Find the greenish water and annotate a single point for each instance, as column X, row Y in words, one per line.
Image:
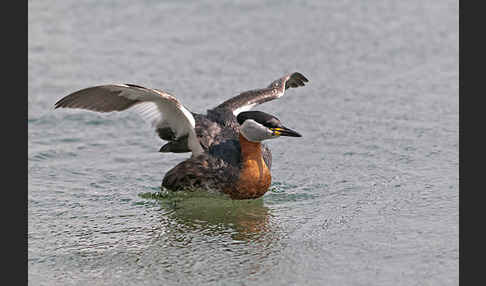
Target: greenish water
column 368, row 195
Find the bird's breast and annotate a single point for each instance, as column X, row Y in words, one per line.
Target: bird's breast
column 254, row 177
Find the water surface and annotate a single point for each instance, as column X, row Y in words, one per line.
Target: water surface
column 368, row 195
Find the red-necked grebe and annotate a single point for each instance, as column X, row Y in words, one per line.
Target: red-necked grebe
column 227, row 153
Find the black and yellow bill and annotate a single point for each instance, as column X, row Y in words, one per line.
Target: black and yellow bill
column 284, row 131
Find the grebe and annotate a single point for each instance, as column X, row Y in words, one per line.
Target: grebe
column 227, row 153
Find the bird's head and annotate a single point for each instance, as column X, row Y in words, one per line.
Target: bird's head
column 257, row 126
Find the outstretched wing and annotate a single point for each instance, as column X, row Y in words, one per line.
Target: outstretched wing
column 246, row 100
column 171, row 120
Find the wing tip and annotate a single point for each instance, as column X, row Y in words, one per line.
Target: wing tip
column 295, row 79
column 59, row 103
column 299, row 76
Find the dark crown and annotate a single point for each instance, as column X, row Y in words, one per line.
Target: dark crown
column 263, row 118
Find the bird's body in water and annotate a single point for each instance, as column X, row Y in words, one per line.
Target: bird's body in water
column 228, row 155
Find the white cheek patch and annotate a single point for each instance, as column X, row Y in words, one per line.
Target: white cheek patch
column 255, row 132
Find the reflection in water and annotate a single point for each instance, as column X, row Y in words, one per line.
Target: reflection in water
column 244, row 219
column 207, row 238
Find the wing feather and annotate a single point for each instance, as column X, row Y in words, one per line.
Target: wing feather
column 246, row 100
column 158, row 107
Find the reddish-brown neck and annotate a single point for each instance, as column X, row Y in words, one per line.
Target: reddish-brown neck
column 250, row 150
column 254, row 178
